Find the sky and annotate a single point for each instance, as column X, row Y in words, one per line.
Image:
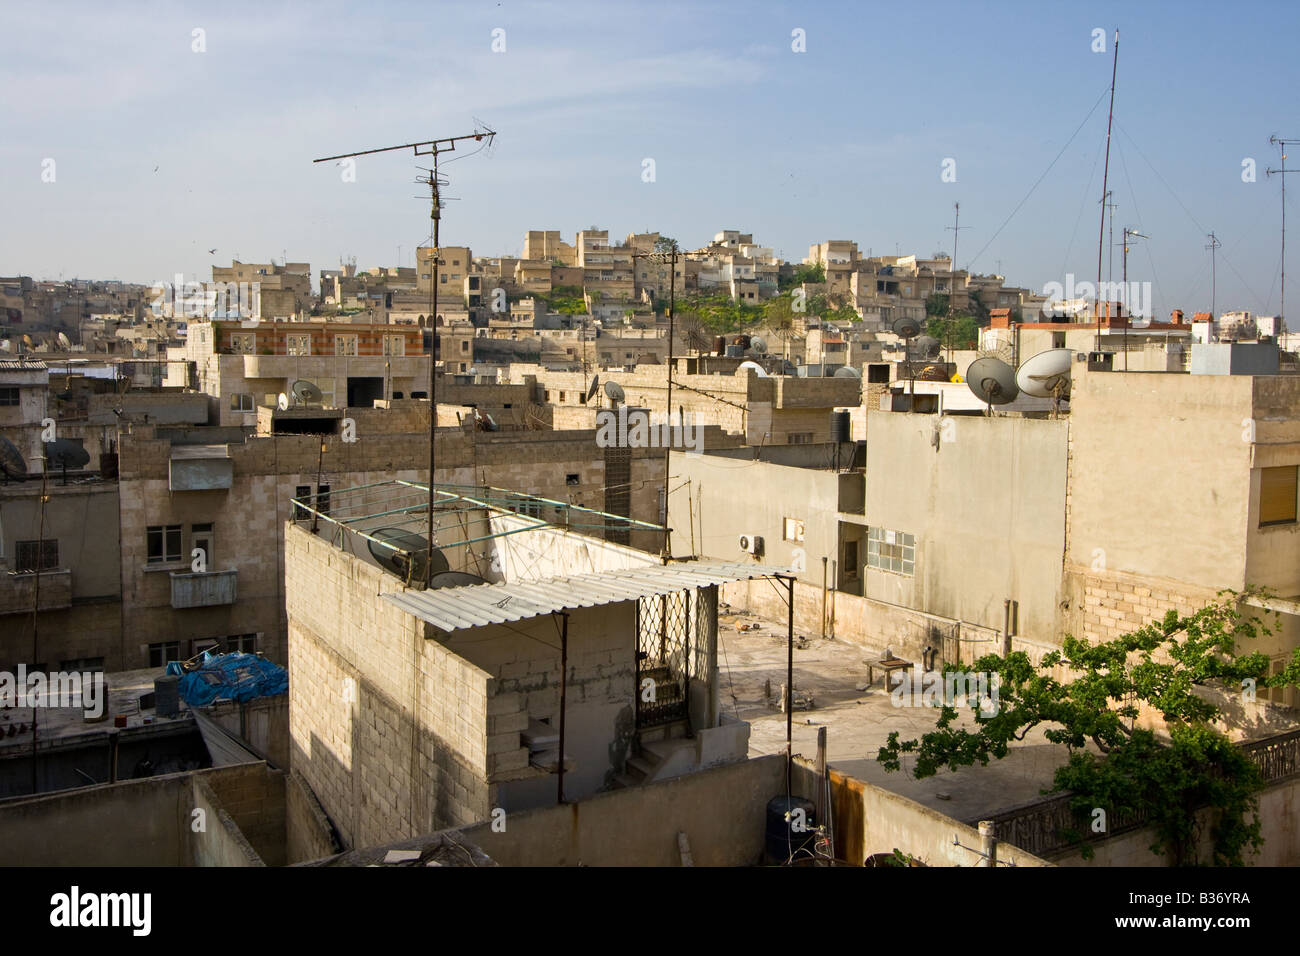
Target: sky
column 138, row 138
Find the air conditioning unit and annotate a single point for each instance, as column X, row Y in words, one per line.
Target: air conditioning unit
column 751, row 544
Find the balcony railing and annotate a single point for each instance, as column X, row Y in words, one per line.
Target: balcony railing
column 18, row 590
column 205, row 589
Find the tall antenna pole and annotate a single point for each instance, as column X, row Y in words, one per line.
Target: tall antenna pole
column 1105, row 179
column 1128, row 234
column 956, row 228
column 1213, row 246
column 1282, row 145
column 434, row 148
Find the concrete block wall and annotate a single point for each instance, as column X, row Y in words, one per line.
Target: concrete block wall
column 219, row 841
column 253, row 796
column 388, row 728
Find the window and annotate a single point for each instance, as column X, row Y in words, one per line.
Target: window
column 201, row 537
column 891, row 551
column 394, row 345
column 800, row 438
column 1278, row 695
column 243, row 342
column 244, row 643
column 301, row 492
column 851, row 560
column 571, row 479
column 164, row 543
column 323, row 499
column 464, row 345
column 36, row 555
column 1277, row 495
column 345, row 345
column 298, row 344
column 793, row 530
column 8, row 396
column 241, row 402
column 160, row 655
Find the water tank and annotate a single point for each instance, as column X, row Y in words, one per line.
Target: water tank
column 782, row 841
column 841, row 427
column 720, row 344
column 166, row 695
column 735, row 351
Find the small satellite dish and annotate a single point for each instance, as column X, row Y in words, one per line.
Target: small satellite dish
column 751, row 366
column 928, row 346
column 455, row 579
column 992, row 380
column 11, row 459
column 1047, row 374
column 409, row 563
column 63, row 341
column 282, row 402
column 595, row 384
column 758, row 346
column 66, row 454
column 847, row 371
column 614, row 392
column 906, row 328
column 27, row 341
column 306, row 392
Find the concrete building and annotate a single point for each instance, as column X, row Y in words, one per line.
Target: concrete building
column 463, row 699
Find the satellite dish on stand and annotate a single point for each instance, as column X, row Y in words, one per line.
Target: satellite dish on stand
column 993, row 381
column 591, row 391
column 847, row 371
column 11, row 460
column 282, row 402
column 306, row 393
column 1047, row 375
column 614, row 392
column 758, row 346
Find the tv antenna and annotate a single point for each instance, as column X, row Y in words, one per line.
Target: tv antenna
column 1213, row 246
column 1282, row 144
column 433, row 148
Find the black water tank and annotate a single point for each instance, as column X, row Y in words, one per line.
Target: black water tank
column 841, row 427
column 782, row 842
column 166, row 690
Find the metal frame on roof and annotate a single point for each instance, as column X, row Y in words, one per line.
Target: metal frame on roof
column 480, row 605
column 450, row 500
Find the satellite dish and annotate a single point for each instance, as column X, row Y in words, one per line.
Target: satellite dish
column 758, row 346
column 1047, row 374
column 848, row 371
column 63, row 340
column 906, row 328
column 757, row 369
column 306, row 393
column 409, row 563
column 614, row 392
column 27, row 341
column 595, row 384
column 11, row 459
column 928, row 346
column 282, row 402
column 992, row 380
column 455, row 579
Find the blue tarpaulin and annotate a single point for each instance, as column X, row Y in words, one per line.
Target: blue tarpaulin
column 235, row 676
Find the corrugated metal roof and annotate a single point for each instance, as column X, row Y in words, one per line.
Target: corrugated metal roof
column 21, row 366
column 478, row 605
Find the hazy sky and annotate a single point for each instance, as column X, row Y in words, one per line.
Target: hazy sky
column 161, row 153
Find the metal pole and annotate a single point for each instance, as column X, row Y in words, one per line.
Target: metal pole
column 1105, row 178
column 668, row 404
column 988, row 843
column 789, row 693
column 36, row 600
column 433, row 369
column 564, row 693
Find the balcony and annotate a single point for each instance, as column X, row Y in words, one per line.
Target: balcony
column 18, row 589
column 200, row 468
column 206, row 589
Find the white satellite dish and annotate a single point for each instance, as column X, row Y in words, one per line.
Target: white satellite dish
column 614, row 392
column 758, row 346
column 1047, row 374
column 282, row 402
column 63, row 341
column 754, row 366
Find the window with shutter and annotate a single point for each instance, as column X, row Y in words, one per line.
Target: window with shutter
column 1277, row 495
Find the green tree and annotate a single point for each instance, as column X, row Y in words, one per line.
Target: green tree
column 1158, row 667
column 954, row 331
column 665, row 245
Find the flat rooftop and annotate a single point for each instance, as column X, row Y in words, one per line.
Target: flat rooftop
column 859, row 722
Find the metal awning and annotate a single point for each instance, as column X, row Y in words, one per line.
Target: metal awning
column 478, row 605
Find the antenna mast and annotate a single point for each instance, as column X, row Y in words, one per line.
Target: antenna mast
column 1282, row 145
column 952, row 272
column 434, row 148
column 1105, row 178
column 1213, row 246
